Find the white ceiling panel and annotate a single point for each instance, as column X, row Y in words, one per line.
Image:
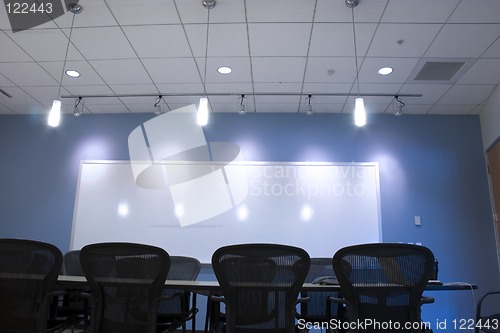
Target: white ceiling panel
column 466, row 94
column 402, row 69
column 402, row 40
column 102, row 43
column 173, row 70
column 191, row 11
column 118, row 71
column 11, row 52
column 27, row 74
column 483, row 71
column 451, row 109
column 280, row 10
column 278, row 69
column 288, row 39
column 337, row 11
column 88, row 75
column 43, row 45
column 319, row 69
column 224, row 40
column 422, row 11
column 431, row 93
column 472, row 11
column 337, row 39
column 463, row 40
column 163, row 41
column 144, row 12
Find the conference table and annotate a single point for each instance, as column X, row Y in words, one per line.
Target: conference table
column 212, row 287
column 71, row 281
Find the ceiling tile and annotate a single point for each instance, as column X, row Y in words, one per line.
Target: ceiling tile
column 19, row 97
column 144, row 12
column 318, row 69
column 224, row 40
column 402, row 40
column 277, row 87
column 403, row 67
column 280, row 10
column 451, row 109
column 130, row 71
column 95, row 13
column 337, row 11
column 162, row 41
column 88, row 75
column 102, row 43
column 180, row 88
column 464, row 40
column 10, row 51
column 287, row 39
column 466, row 94
column 421, row 11
column 431, row 93
column 493, row 51
column 483, row 71
column 472, row 11
column 89, row 90
column 43, row 45
column 147, row 88
column 27, row 74
column 172, row 70
column 325, row 88
column 240, row 69
column 337, row 39
column 278, row 69
column 192, row 11
column 229, row 88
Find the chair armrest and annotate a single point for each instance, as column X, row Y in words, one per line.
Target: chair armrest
column 301, row 300
column 426, row 300
column 216, row 298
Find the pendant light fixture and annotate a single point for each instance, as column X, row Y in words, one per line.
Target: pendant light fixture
column 359, row 104
column 55, row 112
column 202, row 114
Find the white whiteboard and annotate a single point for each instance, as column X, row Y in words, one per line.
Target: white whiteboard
column 201, row 206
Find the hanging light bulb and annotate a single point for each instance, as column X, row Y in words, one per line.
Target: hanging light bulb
column 55, row 114
column 202, row 115
column 359, row 112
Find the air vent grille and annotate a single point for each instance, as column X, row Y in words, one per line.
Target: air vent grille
column 439, row 71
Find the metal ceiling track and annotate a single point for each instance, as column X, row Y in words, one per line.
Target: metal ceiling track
column 239, row 94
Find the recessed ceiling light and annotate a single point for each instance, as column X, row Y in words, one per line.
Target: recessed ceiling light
column 224, row 70
column 72, row 73
column 385, row 70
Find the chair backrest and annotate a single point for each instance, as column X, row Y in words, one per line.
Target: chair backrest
column 316, row 308
column 384, row 282
column 181, row 268
column 260, row 284
column 28, row 271
column 71, row 263
column 126, row 279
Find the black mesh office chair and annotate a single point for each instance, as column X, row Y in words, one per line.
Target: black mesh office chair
column 260, row 284
column 319, row 307
column 126, row 279
column 383, row 283
column 176, row 307
column 488, row 320
column 28, row 273
column 73, row 306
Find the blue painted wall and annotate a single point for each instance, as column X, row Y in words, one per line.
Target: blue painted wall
column 431, row 166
